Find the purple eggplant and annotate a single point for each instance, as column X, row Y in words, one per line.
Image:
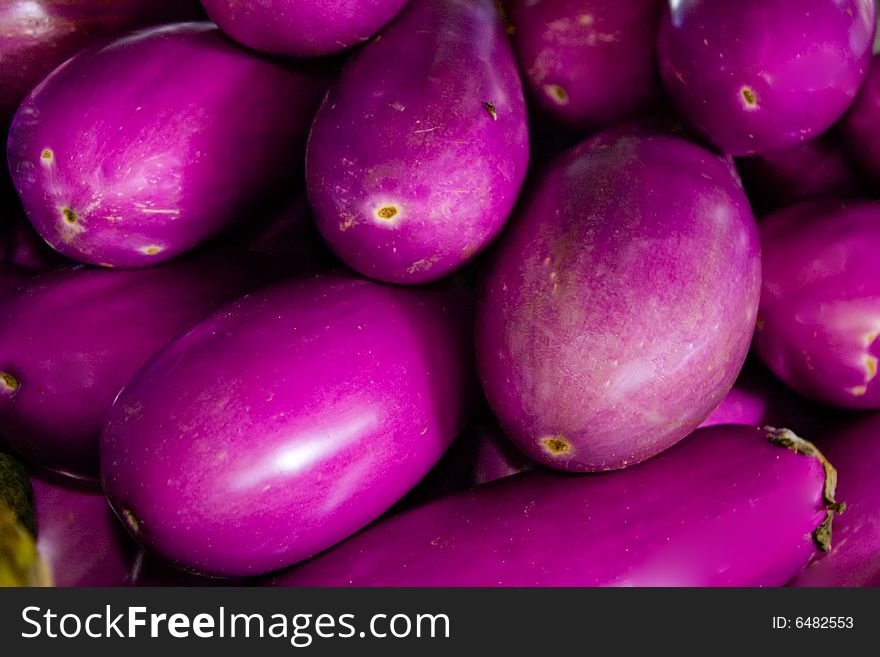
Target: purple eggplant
column 78, row 536
column 70, row 339
column 589, row 63
column 620, row 307
column 130, row 154
column 756, row 506
column 854, row 560
column 38, row 35
column 755, row 76
column 302, row 28
column 819, row 321
column 286, row 422
column 418, row 153
column 861, row 126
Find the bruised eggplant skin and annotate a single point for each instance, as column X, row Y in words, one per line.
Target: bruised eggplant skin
column 730, row 506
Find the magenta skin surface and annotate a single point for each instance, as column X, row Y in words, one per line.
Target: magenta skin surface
column 589, row 63
column 861, row 128
column 619, row 309
column 78, row 536
column 745, row 518
column 302, row 28
column 38, row 35
column 419, row 151
column 20, row 245
column 286, row 422
column 71, row 339
column 812, row 170
column 760, row 75
column 819, row 320
column 854, row 558
column 11, row 277
column 133, row 153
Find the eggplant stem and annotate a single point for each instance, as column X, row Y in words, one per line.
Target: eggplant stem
column 788, row 439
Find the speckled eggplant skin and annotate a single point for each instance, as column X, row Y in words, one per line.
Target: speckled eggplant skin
column 38, row 35
column 745, row 518
column 133, row 153
column 819, row 321
column 71, row 339
column 854, row 558
column 861, row 125
column 589, row 63
column 419, row 151
column 302, row 28
column 619, row 309
column 760, row 75
column 78, row 536
column 286, row 422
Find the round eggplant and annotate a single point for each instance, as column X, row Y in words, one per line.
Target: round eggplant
column 755, row 76
column 620, row 307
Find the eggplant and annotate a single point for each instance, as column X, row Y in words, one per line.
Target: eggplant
column 72, row 338
column 854, row 559
column 286, row 422
column 620, row 306
column 419, row 151
column 730, row 506
column 132, row 153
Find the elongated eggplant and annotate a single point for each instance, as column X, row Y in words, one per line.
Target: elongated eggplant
column 133, row 153
column 70, row 339
column 418, row 153
column 854, row 559
column 730, row 506
column 286, row 422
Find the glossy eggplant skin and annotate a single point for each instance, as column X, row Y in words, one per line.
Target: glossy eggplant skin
column 619, row 308
column 419, row 150
column 80, row 539
column 854, row 559
column 38, row 35
column 819, row 320
column 72, row 338
column 745, row 518
column 287, row 421
column 302, row 28
column 755, row 76
column 130, row 154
